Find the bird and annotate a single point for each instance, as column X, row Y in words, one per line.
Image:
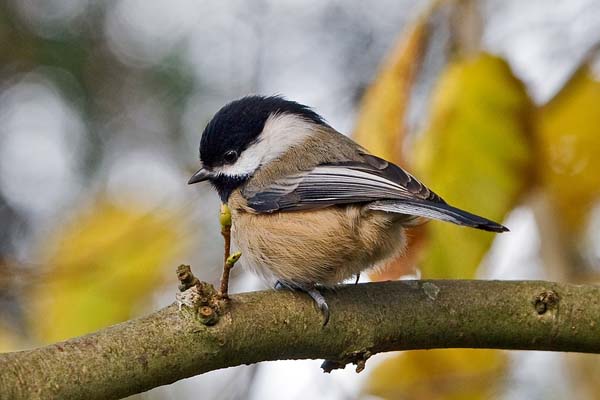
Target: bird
column 310, row 207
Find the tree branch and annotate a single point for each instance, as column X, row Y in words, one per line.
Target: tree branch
column 170, row 344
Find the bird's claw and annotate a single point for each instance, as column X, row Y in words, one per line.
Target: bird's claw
column 279, row 286
column 321, row 303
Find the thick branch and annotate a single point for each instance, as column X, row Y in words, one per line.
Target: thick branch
column 169, row 345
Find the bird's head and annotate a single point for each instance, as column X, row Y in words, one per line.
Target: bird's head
column 249, row 133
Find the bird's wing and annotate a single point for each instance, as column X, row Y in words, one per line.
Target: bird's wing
column 385, row 186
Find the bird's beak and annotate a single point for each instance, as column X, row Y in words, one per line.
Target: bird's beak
column 200, row 176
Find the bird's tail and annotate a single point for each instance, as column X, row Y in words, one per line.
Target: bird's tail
column 438, row 210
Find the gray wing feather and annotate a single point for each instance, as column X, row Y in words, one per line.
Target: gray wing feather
column 340, row 183
column 385, row 186
column 441, row 211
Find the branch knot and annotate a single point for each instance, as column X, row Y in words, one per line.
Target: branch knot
column 358, row 358
column 201, row 297
column 547, row 300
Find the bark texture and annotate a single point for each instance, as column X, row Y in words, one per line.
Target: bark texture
column 173, row 344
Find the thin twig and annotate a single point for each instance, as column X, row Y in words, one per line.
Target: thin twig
column 225, row 220
column 229, row 263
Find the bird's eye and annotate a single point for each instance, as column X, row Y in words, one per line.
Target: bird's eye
column 230, row 156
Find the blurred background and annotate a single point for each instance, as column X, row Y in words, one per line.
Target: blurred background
column 494, row 104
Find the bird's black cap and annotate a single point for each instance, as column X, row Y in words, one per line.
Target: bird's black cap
column 238, row 124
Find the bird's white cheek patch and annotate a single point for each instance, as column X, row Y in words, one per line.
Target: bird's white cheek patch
column 281, row 132
column 246, row 164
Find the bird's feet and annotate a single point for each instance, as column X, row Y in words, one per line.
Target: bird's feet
column 320, row 301
column 314, row 294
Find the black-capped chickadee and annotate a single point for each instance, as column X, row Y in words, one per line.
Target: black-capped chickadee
column 309, row 205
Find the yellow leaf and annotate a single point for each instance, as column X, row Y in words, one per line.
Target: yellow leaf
column 380, row 124
column 449, row 374
column 102, row 266
column 476, row 154
column 568, row 130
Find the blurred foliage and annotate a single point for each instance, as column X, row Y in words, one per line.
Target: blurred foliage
column 101, row 268
column 9, row 340
column 381, row 125
column 102, row 265
column 478, row 158
column 568, row 134
column 449, row 374
column 485, row 149
column 476, row 153
column 584, row 369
